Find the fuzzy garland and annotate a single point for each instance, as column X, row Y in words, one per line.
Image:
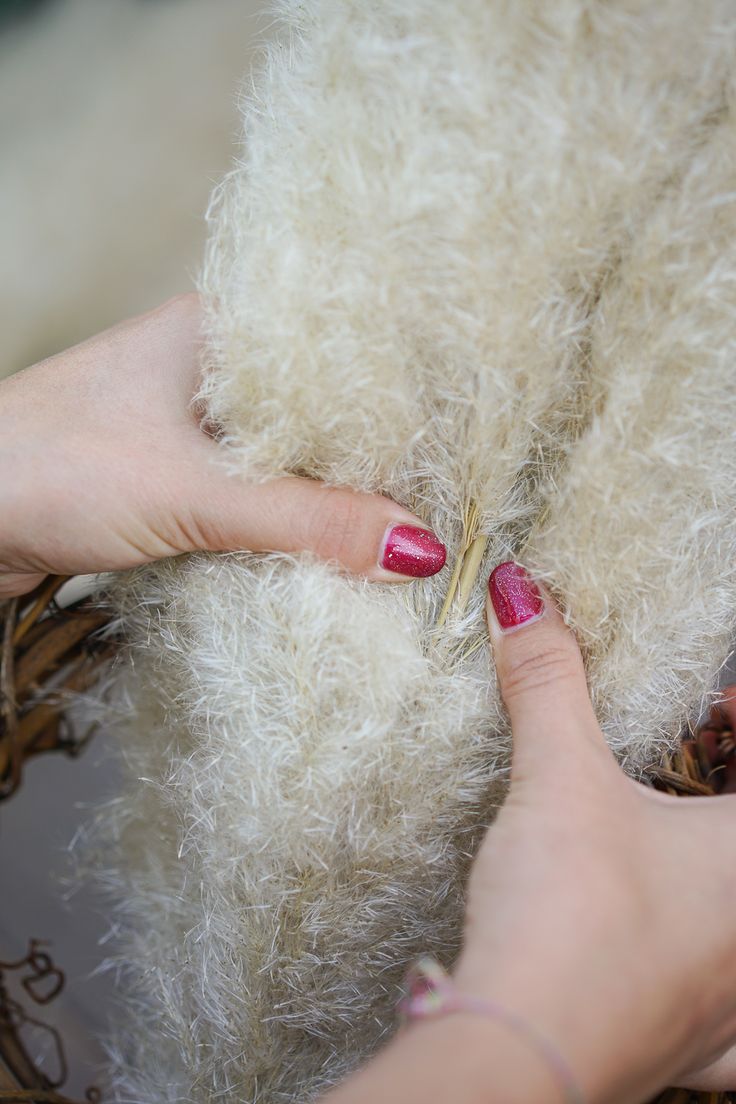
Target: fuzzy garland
column 481, row 258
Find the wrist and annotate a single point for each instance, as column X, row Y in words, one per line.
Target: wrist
column 459, row 1057
column 596, row 1038
column 430, row 993
column 470, row 1059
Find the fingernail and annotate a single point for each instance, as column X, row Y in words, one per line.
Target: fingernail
column 409, row 550
column 515, row 597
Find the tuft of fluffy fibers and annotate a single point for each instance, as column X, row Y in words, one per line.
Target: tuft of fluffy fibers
column 479, row 257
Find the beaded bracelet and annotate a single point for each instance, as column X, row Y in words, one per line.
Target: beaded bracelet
column 429, row 991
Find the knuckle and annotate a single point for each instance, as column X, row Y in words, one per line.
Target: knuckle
column 334, row 528
column 538, row 668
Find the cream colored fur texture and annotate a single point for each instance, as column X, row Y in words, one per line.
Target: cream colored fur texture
column 479, row 256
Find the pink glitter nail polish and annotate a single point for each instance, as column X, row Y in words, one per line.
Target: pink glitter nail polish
column 515, row 597
column 409, row 550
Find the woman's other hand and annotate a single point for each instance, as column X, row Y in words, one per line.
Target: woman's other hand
column 599, row 909
column 103, row 465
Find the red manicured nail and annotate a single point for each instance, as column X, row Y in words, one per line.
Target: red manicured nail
column 409, row 550
column 515, row 597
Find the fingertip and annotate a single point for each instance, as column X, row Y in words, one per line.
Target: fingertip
column 538, row 662
column 522, row 615
column 407, row 550
column 514, row 599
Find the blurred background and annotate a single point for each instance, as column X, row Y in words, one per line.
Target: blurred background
column 116, row 119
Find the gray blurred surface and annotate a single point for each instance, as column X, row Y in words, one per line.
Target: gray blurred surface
column 116, row 118
column 36, row 828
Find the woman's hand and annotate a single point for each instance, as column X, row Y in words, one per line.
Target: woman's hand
column 602, row 911
column 599, row 911
column 103, row 465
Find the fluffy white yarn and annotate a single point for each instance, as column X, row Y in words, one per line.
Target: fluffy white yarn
column 480, row 255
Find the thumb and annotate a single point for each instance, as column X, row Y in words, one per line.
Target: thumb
column 540, row 671
column 367, row 534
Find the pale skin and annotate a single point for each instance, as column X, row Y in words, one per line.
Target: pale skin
column 598, row 909
column 103, row 466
